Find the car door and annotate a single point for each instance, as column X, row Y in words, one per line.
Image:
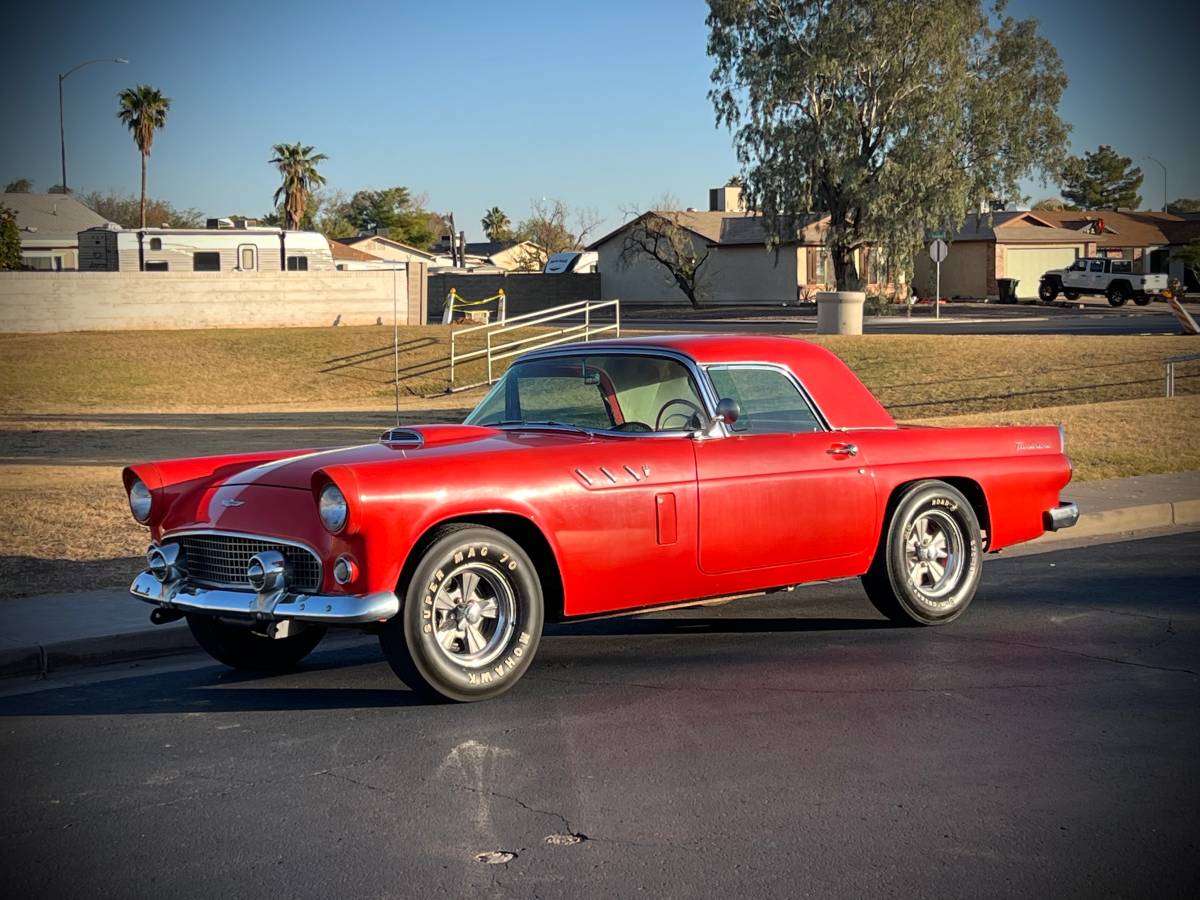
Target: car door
column 1076, row 276
column 780, row 488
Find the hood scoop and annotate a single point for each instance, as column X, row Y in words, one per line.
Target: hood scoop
column 432, row 435
column 404, row 436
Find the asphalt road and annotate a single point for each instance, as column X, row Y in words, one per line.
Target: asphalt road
column 1025, row 320
column 1045, row 745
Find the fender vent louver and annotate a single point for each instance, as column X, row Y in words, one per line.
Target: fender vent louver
column 401, row 436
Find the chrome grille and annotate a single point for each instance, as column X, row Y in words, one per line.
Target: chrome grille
column 220, row 560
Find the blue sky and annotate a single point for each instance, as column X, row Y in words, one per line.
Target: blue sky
column 477, row 104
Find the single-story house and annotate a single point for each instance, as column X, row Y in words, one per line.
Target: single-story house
column 350, row 259
column 50, row 226
column 382, row 247
column 506, row 256
column 1025, row 244
column 740, row 268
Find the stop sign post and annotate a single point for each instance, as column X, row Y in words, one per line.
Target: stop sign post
column 938, row 251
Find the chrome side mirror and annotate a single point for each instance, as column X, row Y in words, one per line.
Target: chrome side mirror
column 728, row 411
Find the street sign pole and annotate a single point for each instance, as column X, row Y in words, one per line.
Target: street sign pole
column 938, row 250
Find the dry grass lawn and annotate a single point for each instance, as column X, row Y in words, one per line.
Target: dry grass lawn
column 219, row 370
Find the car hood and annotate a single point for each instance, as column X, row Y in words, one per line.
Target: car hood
column 400, row 444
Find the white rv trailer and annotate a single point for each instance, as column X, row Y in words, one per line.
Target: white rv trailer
column 213, row 249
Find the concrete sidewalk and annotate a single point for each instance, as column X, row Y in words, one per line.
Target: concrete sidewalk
column 50, row 632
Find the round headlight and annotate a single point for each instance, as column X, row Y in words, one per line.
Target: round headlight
column 333, row 508
column 140, row 501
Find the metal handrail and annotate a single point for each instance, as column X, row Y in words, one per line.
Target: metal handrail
column 495, row 352
column 1189, row 357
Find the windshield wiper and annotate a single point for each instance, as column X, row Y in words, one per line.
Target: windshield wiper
column 544, row 423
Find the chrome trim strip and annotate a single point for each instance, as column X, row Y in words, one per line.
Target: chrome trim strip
column 267, row 538
column 609, row 475
column 328, row 609
column 1062, row 516
column 581, row 474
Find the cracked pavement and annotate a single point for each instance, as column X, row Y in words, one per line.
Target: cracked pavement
column 792, row 745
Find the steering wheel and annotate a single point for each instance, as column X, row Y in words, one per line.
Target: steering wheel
column 635, row 427
column 658, row 421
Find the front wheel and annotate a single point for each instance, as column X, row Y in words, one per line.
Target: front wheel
column 472, row 617
column 927, row 567
column 241, row 647
column 1047, row 291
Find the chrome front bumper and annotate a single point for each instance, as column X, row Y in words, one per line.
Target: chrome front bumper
column 329, row 609
column 1062, row 516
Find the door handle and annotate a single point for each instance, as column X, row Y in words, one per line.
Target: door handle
column 843, row 450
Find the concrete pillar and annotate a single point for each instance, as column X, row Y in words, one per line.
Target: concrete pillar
column 840, row 312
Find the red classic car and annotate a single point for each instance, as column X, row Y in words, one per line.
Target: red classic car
column 613, row 476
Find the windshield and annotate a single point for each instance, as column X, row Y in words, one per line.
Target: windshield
column 610, row 392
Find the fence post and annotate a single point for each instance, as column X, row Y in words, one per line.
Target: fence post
column 452, row 336
column 587, row 321
column 489, row 356
column 617, row 308
column 1170, row 378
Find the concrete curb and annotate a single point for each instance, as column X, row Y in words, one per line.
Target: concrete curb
column 1129, row 518
column 152, row 642
column 40, row 659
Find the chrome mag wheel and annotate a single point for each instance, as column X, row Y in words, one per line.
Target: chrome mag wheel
column 474, row 614
column 934, row 550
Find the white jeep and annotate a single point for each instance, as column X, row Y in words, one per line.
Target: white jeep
column 1114, row 278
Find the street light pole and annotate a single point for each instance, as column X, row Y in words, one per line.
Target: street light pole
column 62, row 134
column 1164, row 168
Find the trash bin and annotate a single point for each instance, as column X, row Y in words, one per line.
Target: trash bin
column 1008, row 289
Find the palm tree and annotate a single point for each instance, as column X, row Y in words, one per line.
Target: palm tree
column 298, row 166
column 143, row 110
column 495, row 224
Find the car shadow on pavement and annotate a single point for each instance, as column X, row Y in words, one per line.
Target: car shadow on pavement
column 216, row 689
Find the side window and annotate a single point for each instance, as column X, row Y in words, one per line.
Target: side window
column 1121, row 266
column 1096, row 265
column 297, row 263
column 158, row 266
column 206, row 262
column 769, row 400
column 155, row 243
column 553, row 398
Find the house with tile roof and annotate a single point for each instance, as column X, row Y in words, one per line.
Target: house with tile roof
column 50, row 226
column 1025, row 244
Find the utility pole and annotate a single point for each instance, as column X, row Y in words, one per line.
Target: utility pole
column 62, row 131
column 1164, row 168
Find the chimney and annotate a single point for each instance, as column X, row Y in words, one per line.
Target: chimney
column 726, row 199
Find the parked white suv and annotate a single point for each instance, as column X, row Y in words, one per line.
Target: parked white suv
column 1114, row 278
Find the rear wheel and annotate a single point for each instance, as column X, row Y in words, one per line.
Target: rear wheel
column 927, row 567
column 241, row 647
column 1048, row 290
column 472, row 617
column 1117, row 294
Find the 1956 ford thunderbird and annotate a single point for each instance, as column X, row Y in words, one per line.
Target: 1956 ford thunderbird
column 614, row 476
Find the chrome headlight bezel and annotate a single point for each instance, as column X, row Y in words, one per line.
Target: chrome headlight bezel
column 141, row 501
column 333, row 508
